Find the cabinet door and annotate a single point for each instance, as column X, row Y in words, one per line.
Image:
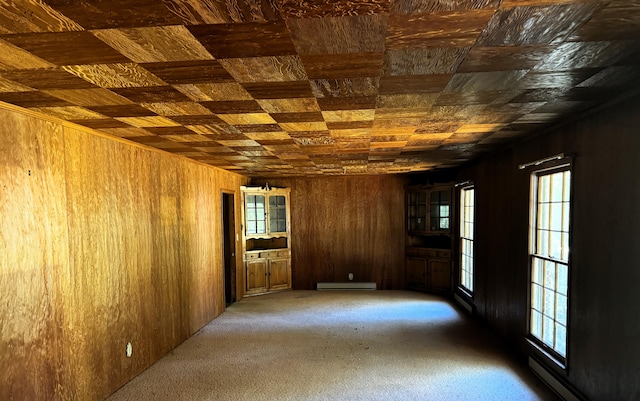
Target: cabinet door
column 256, row 276
column 255, row 214
column 416, row 273
column 440, row 210
column 417, row 210
column 440, row 271
column 277, row 214
column 279, row 274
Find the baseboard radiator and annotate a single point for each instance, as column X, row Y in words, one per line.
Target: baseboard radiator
column 346, row 286
column 550, row 380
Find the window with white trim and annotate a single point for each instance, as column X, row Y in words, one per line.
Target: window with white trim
column 467, row 211
column 549, row 260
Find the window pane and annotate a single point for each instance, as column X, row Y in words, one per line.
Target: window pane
column 548, row 335
column 251, row 227
column 549, row 274
column 556, row 245
column 543, row 216
column 561, row 340
column 549, row 303
column 543, row 243
column 565, row 216
column 556, row 216
column 565, row 247
column 444, row 223
column 562, row 279
column 561, row 310
column 543, row 188
column 557, row 189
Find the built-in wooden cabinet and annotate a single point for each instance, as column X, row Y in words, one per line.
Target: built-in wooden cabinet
column 266, row 235
column 429, row 213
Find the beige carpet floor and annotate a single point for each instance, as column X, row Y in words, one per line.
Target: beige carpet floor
column 338, row 345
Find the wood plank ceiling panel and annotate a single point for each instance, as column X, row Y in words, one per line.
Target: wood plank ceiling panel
column 287, row 87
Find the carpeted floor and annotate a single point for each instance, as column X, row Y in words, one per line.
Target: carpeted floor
column 338, row 345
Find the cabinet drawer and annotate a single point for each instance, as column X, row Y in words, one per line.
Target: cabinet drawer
column 270, row 254
column 251, row 256
column 417, row 252
column 282, row 253
column 444, row 254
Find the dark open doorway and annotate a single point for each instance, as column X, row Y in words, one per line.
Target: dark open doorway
column 229, row 247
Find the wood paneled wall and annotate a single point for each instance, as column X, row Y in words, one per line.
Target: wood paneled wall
column 604, row 356
column 102, row 243
column 342, row 225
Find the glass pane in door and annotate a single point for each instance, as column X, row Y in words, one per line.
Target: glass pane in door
column 277, row 214
column 256, row 214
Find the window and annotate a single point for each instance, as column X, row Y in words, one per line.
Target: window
column 549, row 257
column 467, row 210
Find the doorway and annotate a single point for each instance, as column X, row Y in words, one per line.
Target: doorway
column 229, row 247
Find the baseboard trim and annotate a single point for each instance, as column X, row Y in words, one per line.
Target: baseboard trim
column 551, row 381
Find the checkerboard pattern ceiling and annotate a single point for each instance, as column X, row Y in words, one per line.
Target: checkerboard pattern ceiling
column 304, row 88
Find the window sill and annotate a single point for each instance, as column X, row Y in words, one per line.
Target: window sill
column 466, row 293
column 557, row 364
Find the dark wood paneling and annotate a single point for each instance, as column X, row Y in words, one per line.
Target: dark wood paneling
column 602, row 336
column 347, row 224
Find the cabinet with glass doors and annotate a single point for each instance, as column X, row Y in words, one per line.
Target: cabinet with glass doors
column 266, row 239
column 429, row 211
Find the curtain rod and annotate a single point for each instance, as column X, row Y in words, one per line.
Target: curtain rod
column 539, row 162
column 463, row 183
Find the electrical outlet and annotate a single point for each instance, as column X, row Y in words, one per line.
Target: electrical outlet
column 350, row 276
column 129, row 350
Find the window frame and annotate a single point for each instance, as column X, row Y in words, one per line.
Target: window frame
column 463, row 215
column 548, row 351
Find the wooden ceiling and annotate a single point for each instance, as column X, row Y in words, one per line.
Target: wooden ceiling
column 290, row 87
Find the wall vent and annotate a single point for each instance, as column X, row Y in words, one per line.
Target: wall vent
column 551, row 381
column 346, row 286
